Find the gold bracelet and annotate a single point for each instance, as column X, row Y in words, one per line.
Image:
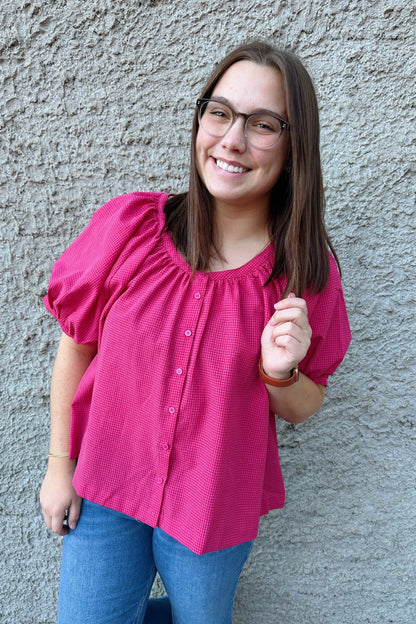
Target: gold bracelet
column 58, row 455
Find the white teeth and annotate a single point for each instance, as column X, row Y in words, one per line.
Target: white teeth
column 230, row 168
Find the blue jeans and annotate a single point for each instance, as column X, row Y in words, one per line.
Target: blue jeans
column 109, row 563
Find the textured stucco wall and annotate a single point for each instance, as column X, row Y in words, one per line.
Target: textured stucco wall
column 96, row 100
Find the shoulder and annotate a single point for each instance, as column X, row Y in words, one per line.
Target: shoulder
column 328, row 306
column 333, row 284
column 133, row 220
column 133, row 215
column 334, row 276
column 131, row 208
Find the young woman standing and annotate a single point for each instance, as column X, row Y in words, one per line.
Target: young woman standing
column 188, row 322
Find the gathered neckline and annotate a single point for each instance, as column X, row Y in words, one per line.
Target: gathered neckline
column 262, row 259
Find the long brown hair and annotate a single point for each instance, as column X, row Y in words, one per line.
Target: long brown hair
column 296, row 216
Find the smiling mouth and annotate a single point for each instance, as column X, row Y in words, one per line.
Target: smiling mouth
column 230, row 168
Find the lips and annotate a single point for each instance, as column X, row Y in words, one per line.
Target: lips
column 229, row 167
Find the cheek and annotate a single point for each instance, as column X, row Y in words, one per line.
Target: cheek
column 203, row 143
column 278, row 163
column 198, row 156
column 200, row 147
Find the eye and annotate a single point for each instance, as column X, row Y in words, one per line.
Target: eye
column 219, row 112
column 265, row 127
column 264, row 124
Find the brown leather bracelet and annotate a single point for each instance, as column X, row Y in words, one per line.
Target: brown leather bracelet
column 278, row 383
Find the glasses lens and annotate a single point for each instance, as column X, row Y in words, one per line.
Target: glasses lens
column 263, row 131
column 216, row 118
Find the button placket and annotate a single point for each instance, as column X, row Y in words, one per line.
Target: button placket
column 174, row 391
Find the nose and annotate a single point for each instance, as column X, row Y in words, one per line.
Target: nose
column 234, row 139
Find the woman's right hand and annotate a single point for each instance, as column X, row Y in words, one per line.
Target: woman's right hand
column 58, row 499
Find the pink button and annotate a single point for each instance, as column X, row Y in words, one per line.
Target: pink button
column 171, row 410
column 197, row 295
column 159, row 480
column 188, row 333
column 165, row 446
column 179, row 371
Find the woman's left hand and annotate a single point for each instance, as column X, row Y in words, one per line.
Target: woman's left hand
column 286, row 338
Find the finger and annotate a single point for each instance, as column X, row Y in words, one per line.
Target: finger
column 290, row 329
column 289, row 345
column 74, row 511
column 292, row 349
column 291, row 338
column 58, row 524
column 48, row 519
column 290, row 302
column 291, row 315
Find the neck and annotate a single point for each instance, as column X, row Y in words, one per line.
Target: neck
column 239, row 236
column 233, row 224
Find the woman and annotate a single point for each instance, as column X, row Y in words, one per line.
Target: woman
column 188, row 322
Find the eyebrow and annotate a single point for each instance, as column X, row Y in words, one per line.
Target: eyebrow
column 264, row 111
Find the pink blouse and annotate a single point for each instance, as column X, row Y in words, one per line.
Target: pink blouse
column 171, row 422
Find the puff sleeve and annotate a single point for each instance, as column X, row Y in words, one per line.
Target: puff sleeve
column 82, row 284
column 331, row 334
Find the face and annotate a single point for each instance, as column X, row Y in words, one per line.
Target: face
column 248, row 88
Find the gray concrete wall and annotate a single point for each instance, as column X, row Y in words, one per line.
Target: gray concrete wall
column 96, row 100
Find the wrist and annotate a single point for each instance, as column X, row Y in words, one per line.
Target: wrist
column 278, row 380
column 61, row 464
column 279, row 376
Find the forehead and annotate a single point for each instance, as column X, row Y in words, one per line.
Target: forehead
column 249, row 86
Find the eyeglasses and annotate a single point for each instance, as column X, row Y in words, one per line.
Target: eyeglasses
column 262, row 130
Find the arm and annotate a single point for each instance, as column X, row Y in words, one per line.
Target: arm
column 285, row 342
column 57, row 493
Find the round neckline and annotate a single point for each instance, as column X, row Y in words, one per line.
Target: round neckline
column 263, row 258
